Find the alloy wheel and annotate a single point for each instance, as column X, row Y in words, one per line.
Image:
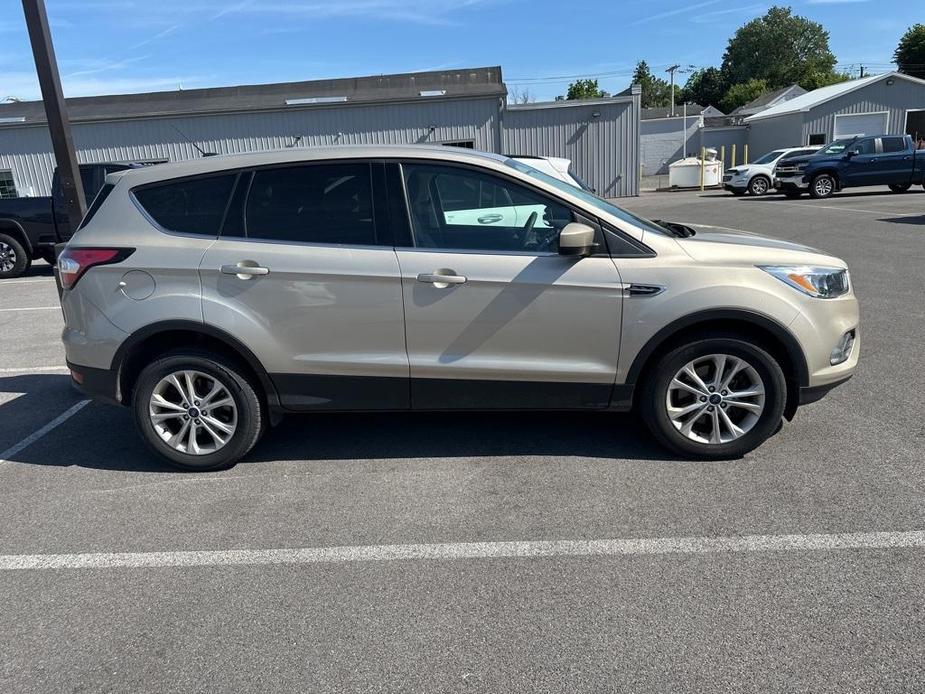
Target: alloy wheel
column 759, row 186
column 823, row 186
column 193, row 412
column 715, row 399
column 7, row 257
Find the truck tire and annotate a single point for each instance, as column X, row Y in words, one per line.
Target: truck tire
column 822, row 186
column 14, row 261
column 900, row 187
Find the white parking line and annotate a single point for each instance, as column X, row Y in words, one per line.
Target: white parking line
column 845, row 209
column 32, row 308
column 36, row 369
column 36, row 280
column 35, row 436
column 470, row 550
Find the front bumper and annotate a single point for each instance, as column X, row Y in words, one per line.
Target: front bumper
column 811, row 394
column 790, row 183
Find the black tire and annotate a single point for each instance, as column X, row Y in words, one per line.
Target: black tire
column 822, row 186
column 250, row 414
column 900, row 187
column 759, row 185
column 793, row 194
column 13, row 257
column 654, row 408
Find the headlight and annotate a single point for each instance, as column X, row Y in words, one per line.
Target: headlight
column 819, row 282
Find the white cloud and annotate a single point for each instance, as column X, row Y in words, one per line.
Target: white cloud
column 24, row 85
column 672, row 13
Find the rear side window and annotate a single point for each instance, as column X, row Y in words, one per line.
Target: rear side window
column 894, row 144
column 313, row 203
column 190, row 206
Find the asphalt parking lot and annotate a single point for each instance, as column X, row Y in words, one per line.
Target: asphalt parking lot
column 482, row 552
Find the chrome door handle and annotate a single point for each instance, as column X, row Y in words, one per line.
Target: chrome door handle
column 441, row 278
column 490, row 218
column 245, row 270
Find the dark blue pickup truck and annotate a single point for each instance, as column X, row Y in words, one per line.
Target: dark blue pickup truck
column 31, row 227
column 889, row 160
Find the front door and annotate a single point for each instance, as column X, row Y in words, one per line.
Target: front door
column 306, row 278
column 861, row 168
column 494, row 316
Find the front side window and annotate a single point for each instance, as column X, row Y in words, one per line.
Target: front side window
column 312, row 203
column 456, row 208
column 865, row 147
column 191, row 206
column 839, row 146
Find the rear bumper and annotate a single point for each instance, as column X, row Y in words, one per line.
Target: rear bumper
column 99, row 384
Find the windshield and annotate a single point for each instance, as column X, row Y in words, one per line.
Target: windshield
column 590, row 198
column 769, row 157
column 838, row 146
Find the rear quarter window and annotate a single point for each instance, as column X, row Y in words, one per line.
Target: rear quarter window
column 190, row 206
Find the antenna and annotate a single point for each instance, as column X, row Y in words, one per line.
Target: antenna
column 198, row 148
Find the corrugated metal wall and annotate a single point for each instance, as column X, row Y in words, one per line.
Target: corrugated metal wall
column 604, row 149
column 879, row 96
column 27, row 151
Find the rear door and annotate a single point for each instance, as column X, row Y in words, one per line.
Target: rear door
column 894, row 163
column 494, row 316
column 306, row 276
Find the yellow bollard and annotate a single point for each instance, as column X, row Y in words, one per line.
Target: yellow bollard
column 733, row 162
column 745, row 154
column 722, row 156
column 703, row 164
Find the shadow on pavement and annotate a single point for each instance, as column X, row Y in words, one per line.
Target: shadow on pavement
column 103, row 436
column 915, row 220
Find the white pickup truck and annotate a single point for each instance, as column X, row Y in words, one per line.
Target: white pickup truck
column 757, row 178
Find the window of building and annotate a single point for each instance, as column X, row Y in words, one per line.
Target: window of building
column 314, row 203
column 7, row 185
column 465, row 144
column 816, row 139
column 192, row 206
column 462, row 209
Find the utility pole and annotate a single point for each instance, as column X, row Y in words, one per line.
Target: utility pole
column 862, row 72
column 671, row 72
column 55, row 110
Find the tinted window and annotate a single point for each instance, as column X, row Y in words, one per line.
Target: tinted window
column 97, row 203
column 894, row 144
column 315, row 203
column 463, row 209
column 192, row 206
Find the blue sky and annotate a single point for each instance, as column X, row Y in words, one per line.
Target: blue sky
column 120, row 46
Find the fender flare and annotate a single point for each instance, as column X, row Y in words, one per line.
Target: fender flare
column 22, row 235
column 759, row 320
column 233, row 343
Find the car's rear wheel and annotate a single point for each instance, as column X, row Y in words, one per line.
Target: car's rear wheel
column 714, row 398
column 822, row 186
column 197, row 410
column 14, row 261
column 759, row 185
column 900, row 187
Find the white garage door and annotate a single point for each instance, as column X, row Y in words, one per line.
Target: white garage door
column 860, row 124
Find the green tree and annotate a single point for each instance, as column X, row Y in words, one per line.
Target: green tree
column 910, row 53
column 780, row 48
column 740, row 94
column 584, row 89
column 705, row 87
column 655, row 91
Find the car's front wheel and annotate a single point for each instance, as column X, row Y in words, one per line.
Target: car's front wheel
column 714, row 398
column 759, row 185
column 822, row 186
column 900, row 187
column 14, row 261
column 197, row 410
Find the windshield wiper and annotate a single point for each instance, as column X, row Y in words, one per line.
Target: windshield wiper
column 680, row 230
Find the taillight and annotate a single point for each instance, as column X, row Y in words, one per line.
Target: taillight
column 74, row 262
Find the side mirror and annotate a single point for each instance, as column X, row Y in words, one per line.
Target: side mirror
column 576, row 239
column 851, row 153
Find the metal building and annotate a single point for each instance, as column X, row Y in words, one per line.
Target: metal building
column 465, row 107
column 893, row 103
